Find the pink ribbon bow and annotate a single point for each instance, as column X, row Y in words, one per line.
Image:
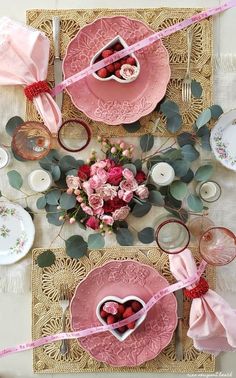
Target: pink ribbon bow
column 212, row 320
column 24, row 54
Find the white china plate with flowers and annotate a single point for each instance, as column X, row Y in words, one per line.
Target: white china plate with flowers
column 16, row 233
column 223, row 140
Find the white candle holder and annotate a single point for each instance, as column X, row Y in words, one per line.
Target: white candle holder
column 162, row 174
column 5, row 158
column 39, row 180
column 209, row 191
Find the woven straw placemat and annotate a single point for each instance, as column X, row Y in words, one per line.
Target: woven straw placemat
column 176, row 44
column 46, row 314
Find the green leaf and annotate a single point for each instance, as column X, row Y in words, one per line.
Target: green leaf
column 54, row 218
column 45, row 259
column 189, row 152
column 204, row 173
column 56, row 173
column 188, row 177
column 76, row 246
column 15, row 179
column 196, row 89
column 96, row 241
column 174, row 124
column 178, row 190
column 119, row 224
column 146, row 235
column 141, row 210
column 41, row 202
column 138, row 164
column 172, row 154
column 216, row 111
column 132, row 127
column 47, row 165
column 72, row 172
column 205, row 142
column 181, row 167
column 181, row 214
column 124, row 236
column 67, row 201
column 146, row 142
column 53, row 197
column 131, row 167
column 68, row 162
column 171, row 202
column 12, row 124
column 185, row 138
column 158, row 105
column 155, row 198
column 203, row 131
column 169, row 108
column 203, row 118
column 195, row 203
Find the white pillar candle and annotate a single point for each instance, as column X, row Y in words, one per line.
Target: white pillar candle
column 207, row 190
column 40, row 180
column 162, row 174
column 4, row 158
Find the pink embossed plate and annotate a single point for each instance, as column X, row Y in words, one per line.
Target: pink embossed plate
column 123, row 278
column 110, row 101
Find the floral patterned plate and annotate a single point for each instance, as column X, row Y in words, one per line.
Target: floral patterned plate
column 16, row 233
column 124, row 278
column 223, row 139
column 109, row 101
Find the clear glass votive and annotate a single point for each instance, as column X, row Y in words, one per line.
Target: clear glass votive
column 209, row 191
column 198, row 225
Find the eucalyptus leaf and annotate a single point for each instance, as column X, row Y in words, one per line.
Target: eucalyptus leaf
column 181, row 214
column 47, row 165
column 124, row 236
column 96, row 241
column 146, row 235
column 205, row 142
column 141, row 210
column 158, row 106
column 76, row 246
column 12, row 124
column 216, row 111
column 68, row 162
column 41, row 202
column 189, row 152
column 131, row 167
column 181, row 167
column 195, row 203
column 132, row 127
column 196, row 89
column 204, row 172
column 119, row 224
column 155, row 198
column 185, row 138
column 172, row 203
column 67, row 201
column 174, row 123
column 45, row 259
column 138, row 164
column 72, row 172
column 169, row 108
column 56, row 173
column 178, row 190
column 53, row 196
column 172, row 154
column 15, row 179
column 53, row 218
column 203, row 131
column 188, row 177
column 203, row 118
column 146, row 142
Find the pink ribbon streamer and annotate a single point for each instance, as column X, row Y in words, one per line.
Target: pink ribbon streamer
column 141, row 44
column 90, row 331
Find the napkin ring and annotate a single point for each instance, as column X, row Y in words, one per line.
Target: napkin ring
column 200, row 289
column 35, row 89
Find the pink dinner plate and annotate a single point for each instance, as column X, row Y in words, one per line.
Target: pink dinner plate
column 124, row 278
column 112, row 102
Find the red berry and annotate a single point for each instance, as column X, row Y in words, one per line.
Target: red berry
column 130, row 60
column 136, row 306
column 117, row 65
column 110, row 68
column 117, row 73
column 122, row 329
column 102, row 73
column 111, row 319
column 103, row 314
column 118, row 46
column 128, row 312
column 131, row 325
column 121, row 309
column 107, row 53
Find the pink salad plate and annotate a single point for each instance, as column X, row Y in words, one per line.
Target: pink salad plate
column 121, row 279
column 109, row 101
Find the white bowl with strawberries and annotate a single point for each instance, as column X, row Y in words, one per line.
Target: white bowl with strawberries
column 112, row 309
column 124, row 70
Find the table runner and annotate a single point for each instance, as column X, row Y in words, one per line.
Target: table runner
column 46, row 314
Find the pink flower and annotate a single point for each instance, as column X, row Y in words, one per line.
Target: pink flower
column 107, row 192
column 128, row 174
column 115, row 175
column 93, row 223
column 102, row 175
column 95, row 166
column 142, row 192
column 127, row 197
column 107, row 219
column 95, row 201
column 95, row 182
column 129, row 185
column 87, row 188
column 121, row 214
column 99, row 211
column 73, row 182
column 86, row 209
column 109, row 163
column 121, row 193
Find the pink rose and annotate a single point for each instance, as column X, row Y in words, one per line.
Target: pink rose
column 95, row 182
column 115, row 175
column 73, row 182
column 86, row 209
column 128, row 174
column 87, row 188
column 99, row 211
column 95, row 201
column 102, row 175
column 127, row 197
column 93, row 223
column 109, row 163
column 95, row 166
column 121, row 193
column 121, row 214
column 129, row 186
column 142, row 192
column 107, row 192
column 107, row 219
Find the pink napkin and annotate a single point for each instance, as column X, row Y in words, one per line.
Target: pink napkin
column 24, row 54
column 212, row 321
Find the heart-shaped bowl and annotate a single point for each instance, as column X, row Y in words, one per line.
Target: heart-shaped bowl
column 112, row 298
column 109, row 45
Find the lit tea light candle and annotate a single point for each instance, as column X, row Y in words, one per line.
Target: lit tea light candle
column 40, row 180
column 162, row 174
column 209, row 191
column 4, row 158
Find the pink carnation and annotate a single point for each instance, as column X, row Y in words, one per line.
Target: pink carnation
column 115, row 175
column 121, row 214
column 99, row 211
column 93, row 223
column 86, row 209
column 128, row 174
column 87, row 188
column 127, row 197
column 107, row 219
column 95, row 182
column 142, row 192
column 129, row 186
column 73, row 182
column 95, row 201
column 107, row 192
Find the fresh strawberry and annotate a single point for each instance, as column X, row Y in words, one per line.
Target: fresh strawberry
column 121, row 309
column 122, row 329
column 136, row 306
column 130, row 60
column 110, row 68
column 117, row 73
column 131, row 325
column 117, row 65
column 102, row 73
column 118, row 46
column 128, row 312
column 111, row 319
column 107, row 53
column 103, row 314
